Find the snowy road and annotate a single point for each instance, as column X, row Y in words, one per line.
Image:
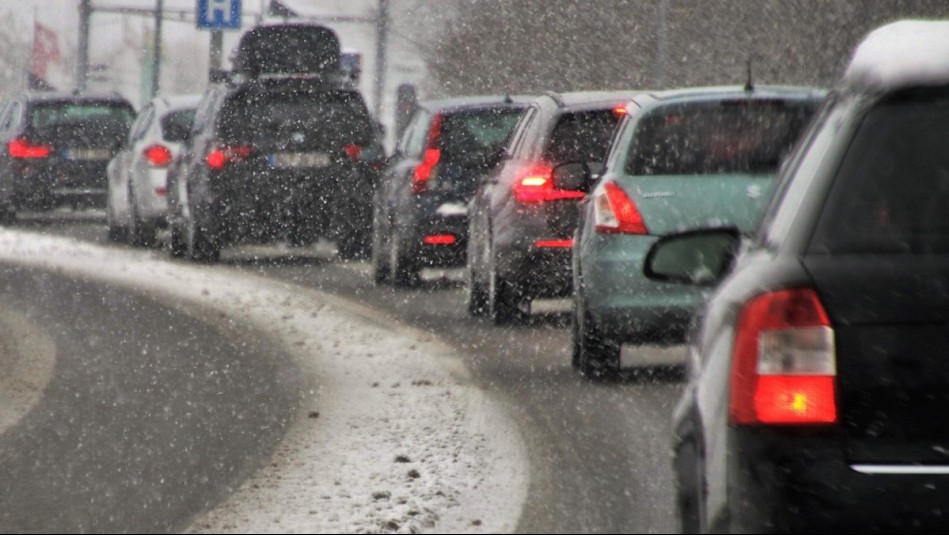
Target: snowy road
column 351, row 422
column 597, row 454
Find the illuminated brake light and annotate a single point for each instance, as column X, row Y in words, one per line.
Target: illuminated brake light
column 620, row 110
column 536, row 185
column 439, row 239
column 784, row 363
column 554, row 243
column 425, row 171
column 221, row 156
column 615, row 213
column 21, row 148
column 157, row 155
column 353, row 151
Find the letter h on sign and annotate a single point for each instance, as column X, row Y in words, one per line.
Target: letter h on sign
column 219, row 14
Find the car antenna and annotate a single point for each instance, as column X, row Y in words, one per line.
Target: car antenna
column 508, row 99
column 749, row 84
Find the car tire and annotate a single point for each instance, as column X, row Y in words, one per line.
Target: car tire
column 379, row 255
column 595, row 355
column 690, row 494
column 476, row 294
column 176, row 243
column 404, row 271
column 116, row 232
column 200, row 246
column 505, row 304
column 356, row 246
column 140, row 234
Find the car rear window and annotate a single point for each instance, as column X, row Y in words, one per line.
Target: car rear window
column 892, row 187
column 321, row 117
column 176, row 126
column 468, row 139
column 52, row 114
column 581, row 136
column 746, row 136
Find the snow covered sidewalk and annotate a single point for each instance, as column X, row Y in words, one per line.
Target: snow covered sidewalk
column 394, row 437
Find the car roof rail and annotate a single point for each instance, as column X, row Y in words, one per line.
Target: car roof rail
column 556, row 97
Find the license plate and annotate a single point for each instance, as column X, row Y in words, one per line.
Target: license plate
column 299, row 159
column 87, row 154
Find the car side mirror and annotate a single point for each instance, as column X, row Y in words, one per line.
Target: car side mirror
column 697, row 257
column 572, row 176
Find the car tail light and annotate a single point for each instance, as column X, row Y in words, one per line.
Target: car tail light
column 158, row 155
column 425, row 171
column 439, row 239
column 554, row 243
column 535, row 185
column 614, row 212
column 221, row 156
column 784, row 363
column 620, row 110
column 353, row 151
column 22, row 148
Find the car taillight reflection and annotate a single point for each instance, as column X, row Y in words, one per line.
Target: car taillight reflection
column 221, row 156
column 535, row 185
column 158, row 155
column 21, row 148
column 784, row 363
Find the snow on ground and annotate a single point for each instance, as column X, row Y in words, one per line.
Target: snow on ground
column 393, row 438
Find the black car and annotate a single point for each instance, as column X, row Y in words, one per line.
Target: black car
column 818, row 382
column 277, row 159
column 521, row 223
column 421, row 207
column 56, row 147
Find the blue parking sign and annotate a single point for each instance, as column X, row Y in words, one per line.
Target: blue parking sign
column 219, row 14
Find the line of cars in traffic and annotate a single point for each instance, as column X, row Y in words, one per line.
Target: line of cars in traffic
column 796, row 237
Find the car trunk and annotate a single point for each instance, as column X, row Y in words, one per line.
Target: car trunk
column 892, row 371
column 673, row 203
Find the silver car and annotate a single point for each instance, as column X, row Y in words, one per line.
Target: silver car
column 137, row 198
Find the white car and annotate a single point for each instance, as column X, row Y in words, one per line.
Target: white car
column 138, row 190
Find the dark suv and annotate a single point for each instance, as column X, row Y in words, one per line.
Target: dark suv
column 521, row 223
column 56, row 147
column 286, row 158
column 420, row 217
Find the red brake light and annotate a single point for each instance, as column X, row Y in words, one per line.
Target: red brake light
column 439, row 239
column 23, row 148
column 424, row 171
column 614, row 212
column 784, row 363
column 536, row 185
column 158, row 155
column 620, row 110
column 352, row 151
column 221, row 156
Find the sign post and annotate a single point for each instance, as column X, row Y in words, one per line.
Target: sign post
column 217, row 16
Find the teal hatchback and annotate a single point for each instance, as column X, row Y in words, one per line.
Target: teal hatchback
column 681, row 159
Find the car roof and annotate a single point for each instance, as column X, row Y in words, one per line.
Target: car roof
column 717, row 93
column 57, row 96
column 899, row 55
column 473, row 102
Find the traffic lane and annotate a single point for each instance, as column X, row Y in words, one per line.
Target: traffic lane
column 600, row 457
column 152, row 415
column 599, row 451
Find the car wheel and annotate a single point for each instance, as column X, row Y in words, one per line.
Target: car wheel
column 379, row 256
column 117, row 233
column 199, row 245
column 404, row 270
column 477, row 296
column 505, row 304
column 176, row 242
column 690, row 493
column 595, row 355
column 140, row 233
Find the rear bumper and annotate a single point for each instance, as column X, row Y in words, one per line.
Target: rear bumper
column 537, row 271
column 42, row 184
column 781, row 482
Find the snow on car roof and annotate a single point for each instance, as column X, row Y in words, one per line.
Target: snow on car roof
column 901, row 54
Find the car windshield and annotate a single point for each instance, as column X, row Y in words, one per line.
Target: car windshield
column 746, row 136
column 54, row 114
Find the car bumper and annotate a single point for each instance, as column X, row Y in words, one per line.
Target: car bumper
column 54, row 182
column 627, row 305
